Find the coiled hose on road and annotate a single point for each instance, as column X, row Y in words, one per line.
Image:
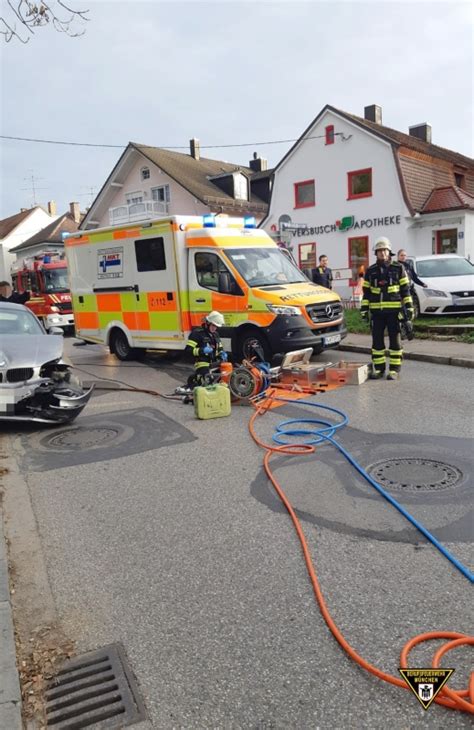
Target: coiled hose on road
column 323, row 431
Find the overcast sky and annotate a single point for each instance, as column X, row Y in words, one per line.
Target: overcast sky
column 160, row 73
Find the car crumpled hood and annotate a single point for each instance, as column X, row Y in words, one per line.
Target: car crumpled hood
column 29, row 351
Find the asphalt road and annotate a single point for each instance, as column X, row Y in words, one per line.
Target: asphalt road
column 162, row 532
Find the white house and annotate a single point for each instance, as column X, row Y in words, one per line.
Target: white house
column 16, row 229
column 348, row 180
column 148, row 182
column 50, row 238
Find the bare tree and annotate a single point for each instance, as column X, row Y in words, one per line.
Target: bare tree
column 25, row 17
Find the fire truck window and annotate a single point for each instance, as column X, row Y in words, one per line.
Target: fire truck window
column 33, row 282
column 150, row 254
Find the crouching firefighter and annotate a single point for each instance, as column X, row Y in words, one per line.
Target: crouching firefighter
column 386, row 296
column 206, row 347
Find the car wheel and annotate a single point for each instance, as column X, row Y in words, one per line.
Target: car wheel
column 317, row 350
column 416, row 306
column 119, row 346
column 248, row 340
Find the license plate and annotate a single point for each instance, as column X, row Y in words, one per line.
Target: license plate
column 331, row 339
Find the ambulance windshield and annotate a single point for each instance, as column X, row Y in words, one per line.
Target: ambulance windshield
column 55, row 280
column 265, row 266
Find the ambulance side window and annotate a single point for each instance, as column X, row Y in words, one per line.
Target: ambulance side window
column 150, row 254
column 212, row 273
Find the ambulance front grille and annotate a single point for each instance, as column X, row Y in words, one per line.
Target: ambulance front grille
column 324, row 312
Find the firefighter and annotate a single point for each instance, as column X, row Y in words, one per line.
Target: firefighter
column 206, row 347
column 386, row 300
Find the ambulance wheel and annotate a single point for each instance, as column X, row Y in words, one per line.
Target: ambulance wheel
column 250, row 338
column 119, row 346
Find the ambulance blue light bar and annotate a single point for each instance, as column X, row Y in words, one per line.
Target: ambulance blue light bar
column 209, row 221
column 249, row 221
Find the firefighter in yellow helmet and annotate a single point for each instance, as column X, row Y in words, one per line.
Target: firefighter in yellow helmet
column 386, row 300
column 206, row 347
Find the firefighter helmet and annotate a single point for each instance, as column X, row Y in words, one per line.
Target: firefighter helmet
column 215, row 318
column 382, row 243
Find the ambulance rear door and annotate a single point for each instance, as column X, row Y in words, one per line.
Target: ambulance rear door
column 155, row 298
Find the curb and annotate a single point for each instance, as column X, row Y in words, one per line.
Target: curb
column 10, row 695
column 459, row 362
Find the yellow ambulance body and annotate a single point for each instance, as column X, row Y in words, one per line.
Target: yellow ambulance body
column 146, row 285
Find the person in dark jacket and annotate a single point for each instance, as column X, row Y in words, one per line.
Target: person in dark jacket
column 323, row 274
column 386, row 295
column 6, row 294
column 206, row 347
column 403, row 259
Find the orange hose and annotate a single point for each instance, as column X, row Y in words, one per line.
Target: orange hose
column 453, row 699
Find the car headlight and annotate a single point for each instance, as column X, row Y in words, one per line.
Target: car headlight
column 434, row 293
column 287, row 310
column 54, row 308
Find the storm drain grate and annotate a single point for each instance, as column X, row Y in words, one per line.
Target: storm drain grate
column 415, row 474
column 96, row 690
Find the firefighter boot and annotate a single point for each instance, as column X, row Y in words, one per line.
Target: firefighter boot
column 393, row 375
column 376, row 374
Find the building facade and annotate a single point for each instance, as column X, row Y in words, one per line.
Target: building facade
column 349, row 180
column 149, row 182
column 17, row 228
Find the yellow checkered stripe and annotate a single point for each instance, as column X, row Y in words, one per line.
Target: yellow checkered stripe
column 404, row 280
column 408, row 300
column 378, row 357
column 144, row 311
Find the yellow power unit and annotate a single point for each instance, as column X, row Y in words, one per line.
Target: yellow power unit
column 213, row 401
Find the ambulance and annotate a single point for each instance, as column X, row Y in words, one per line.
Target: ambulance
column 146, row 285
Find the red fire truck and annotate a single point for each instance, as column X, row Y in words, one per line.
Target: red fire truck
column 44, row 275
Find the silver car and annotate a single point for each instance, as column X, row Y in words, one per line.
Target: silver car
column 35, row 383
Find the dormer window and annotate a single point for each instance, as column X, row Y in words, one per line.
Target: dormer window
column 241, row 187
column 145, row 173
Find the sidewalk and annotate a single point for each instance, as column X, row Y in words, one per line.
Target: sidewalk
column 10, row 700
column 443, row 352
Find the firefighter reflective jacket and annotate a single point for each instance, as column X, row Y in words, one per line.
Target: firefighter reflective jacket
column 386, row 287
column 198, row 339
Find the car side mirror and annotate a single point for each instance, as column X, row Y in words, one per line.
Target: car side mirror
column 56, row 331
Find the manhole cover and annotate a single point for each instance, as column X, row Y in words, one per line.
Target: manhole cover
column 415, row 474
column 96, row 689
column 80, row 438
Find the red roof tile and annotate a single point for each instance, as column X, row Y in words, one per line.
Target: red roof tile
column 448, row 198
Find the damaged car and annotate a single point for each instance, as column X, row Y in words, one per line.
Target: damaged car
column 35, row 382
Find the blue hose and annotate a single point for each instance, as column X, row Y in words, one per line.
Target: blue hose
column 319, row 435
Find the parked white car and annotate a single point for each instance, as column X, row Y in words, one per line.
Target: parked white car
column 450, row 280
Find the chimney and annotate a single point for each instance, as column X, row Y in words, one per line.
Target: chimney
column 373, row 113
column 195, row 148
column 51, row 207
column 75, row 212
column 258, row 164
column 421, row 131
